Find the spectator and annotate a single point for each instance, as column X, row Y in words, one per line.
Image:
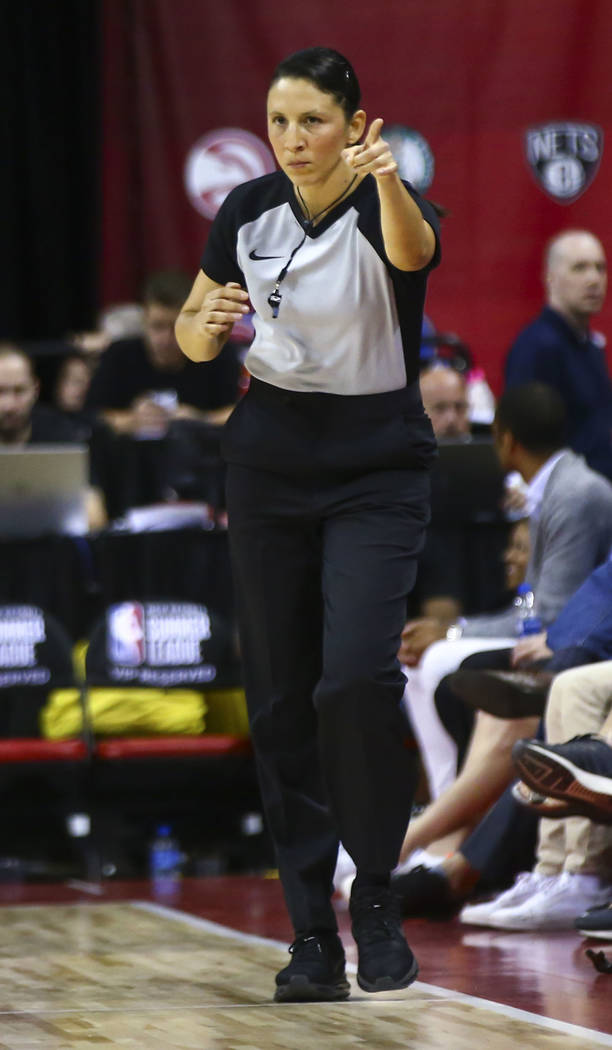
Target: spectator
column 559, row 348
column 449, row 580
column 574, row 856
column 563, row 494
column 503, row 841
column 144, row 383
column 72, row 384
column 119, row 321
column 444, row 395
column 23, row 421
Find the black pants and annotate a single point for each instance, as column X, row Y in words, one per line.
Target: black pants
column 322, row 567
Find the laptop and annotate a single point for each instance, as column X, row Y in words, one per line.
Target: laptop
column 43, row 490
column 467, row 483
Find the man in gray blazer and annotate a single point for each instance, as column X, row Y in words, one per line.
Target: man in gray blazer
column 570, row 519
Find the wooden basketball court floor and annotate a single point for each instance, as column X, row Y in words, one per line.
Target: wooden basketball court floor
column 106, row 965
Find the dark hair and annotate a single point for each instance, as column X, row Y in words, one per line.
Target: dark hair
column 167, row 288
column 534, row 413
column 326, row 69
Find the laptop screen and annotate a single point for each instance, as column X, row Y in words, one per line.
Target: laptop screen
column 43, row 490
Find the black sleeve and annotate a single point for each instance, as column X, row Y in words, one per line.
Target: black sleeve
column 430, row 215
column 370, row 225
column 219, row 261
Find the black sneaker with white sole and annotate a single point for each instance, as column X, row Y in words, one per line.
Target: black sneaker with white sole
column 316, row 972
column 579, row 771
column 596, row 922
column 385, row 960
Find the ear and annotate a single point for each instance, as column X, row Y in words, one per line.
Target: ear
column 356, row 127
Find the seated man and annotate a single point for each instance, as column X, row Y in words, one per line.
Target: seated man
column 24, row 422
column 143, row 383
column 563, row 494
column 444, row 394
column 581, row 634
column 509, row 705
column 570, row 777
column 574, row 855
column 445, row 588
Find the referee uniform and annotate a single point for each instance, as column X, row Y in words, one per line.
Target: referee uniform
column 327, row 489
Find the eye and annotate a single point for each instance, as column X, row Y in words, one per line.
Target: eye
column 313, row 120
column 278, row 121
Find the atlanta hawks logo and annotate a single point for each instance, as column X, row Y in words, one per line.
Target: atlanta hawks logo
column 564, row 157
column 220, row 160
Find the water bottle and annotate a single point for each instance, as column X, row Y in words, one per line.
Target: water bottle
column 527, row 620
column 165, row 859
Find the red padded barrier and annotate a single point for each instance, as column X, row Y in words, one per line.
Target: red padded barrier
column 212, row 745
column 34, row 750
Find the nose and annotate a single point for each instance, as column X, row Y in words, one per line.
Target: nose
column 294, row 139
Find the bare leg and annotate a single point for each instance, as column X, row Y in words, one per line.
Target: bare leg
column 487, row 771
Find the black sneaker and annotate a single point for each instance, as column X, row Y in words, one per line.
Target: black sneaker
column 316, row 972
column 596, row 922
column 579, row 771
column 385, row 960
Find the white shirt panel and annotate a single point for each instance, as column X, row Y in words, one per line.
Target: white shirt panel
column 337, row 329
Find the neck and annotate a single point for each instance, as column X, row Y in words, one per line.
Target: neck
column 530, row 464
column 578, row 321
column 16, row 437
column 315, row 201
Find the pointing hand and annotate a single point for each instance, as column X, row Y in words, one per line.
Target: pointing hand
column 373, row 155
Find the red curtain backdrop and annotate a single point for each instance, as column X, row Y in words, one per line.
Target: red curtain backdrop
column 470, row 75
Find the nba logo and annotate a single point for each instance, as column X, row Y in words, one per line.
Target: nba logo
column 126, row 634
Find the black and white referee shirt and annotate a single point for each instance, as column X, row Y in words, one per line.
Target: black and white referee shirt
column 349, row 322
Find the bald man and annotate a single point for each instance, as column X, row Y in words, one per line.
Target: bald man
column 558, row 348
column 444, row 395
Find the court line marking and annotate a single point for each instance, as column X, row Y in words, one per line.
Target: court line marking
column 578, row 1031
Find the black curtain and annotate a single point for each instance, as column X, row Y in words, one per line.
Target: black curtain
column 50, row 57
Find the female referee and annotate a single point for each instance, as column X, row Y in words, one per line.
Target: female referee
column 327, row 488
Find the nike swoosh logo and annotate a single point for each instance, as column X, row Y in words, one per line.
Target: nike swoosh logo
column 257, row 258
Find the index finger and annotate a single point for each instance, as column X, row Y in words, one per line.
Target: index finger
column 374, row 131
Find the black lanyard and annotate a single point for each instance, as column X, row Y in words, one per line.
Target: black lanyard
column 275, row 297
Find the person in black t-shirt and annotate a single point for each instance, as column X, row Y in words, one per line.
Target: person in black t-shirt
column 142, row 384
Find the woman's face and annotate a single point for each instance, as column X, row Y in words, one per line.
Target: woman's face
column 516, row 555
column 308, row 130
column 72, row 385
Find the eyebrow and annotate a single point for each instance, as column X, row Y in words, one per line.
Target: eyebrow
column 307, row 113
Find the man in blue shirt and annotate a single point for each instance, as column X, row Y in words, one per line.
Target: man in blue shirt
column 558, row 347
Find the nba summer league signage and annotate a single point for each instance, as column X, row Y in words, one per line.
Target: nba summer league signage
column 564, row 157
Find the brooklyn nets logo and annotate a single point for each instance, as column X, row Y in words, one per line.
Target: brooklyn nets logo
column 564, row 157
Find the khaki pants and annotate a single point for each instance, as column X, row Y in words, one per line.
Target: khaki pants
column 579, row 701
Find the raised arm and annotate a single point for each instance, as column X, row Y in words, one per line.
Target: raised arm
column 207, row 317
column 409, row 239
